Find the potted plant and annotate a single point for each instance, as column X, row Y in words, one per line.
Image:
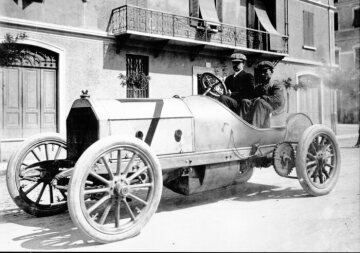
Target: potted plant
column 137, row 84
column 9, row 51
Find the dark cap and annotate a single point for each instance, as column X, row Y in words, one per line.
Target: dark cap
column 265, row 64
column 238, row 57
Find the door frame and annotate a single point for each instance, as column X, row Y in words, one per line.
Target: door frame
column 61, row 94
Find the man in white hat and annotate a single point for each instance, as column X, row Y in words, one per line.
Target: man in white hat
column 240, row 85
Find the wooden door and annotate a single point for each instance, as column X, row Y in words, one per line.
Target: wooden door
column 12, row 111
column 30, row 101
column 48, row 100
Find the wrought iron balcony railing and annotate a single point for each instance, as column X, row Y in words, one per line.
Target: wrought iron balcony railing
column 128, row 19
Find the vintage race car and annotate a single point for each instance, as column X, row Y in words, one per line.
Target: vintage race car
column 118, row 154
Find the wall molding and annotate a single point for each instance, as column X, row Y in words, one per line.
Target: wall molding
column 54, row 27
column 327, row 6
column 304, row 62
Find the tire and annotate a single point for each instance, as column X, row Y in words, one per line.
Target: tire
column 244, row 176
column 31, row 188
column 318, row 160
column 118, row 201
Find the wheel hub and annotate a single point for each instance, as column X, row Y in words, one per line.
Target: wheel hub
column 121, row 189
column 320, row 159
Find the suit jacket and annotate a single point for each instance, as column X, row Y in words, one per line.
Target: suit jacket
column 273, row 94
column 242, row 86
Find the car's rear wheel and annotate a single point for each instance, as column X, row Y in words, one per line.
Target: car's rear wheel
column 318, row 160
column 244, row 175
column 30, row 172
column 115, row 188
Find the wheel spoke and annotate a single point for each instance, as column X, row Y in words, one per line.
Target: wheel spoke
column 46, row 152
column 51, row 193
column 98, row 203
column 30, row 171
column 97, row 190
column 100, row 178
column 329, row 156
column 312, row 163
column 118, row 167
column 29, row 179
column 330, row 165
column 40, row 194
column 35, row 155
column 326, row 173
column 312, row 146
column 326, row 147
column 32, row 188
column 311, row 171
column 137, row 198
column 130, row 164
column 147, row 185
column 137, row 173
column 63, row 194
column 107, row 168
column 322, row 142
column 105, row 213
column 117, row 214
column 314, row 177
column 57, row 152
column 129, row 210
column 320, row 176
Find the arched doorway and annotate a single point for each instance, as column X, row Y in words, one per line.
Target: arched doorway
column 30, row 94
column 309, row 99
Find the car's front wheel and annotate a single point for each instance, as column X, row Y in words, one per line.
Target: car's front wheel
column 115, row 188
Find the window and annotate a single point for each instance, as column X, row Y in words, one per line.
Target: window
column 357, row 57
column 335, row 1
column 356, row 21
column 206, row 10
column 137, row 65
column 336, row 21
column 308, row 25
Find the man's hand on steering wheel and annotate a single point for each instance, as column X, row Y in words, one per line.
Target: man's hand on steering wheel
column 213, row 85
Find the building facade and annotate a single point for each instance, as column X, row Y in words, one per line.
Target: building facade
column 347, row 53
column 78, row 45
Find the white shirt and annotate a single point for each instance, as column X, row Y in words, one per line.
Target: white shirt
column 236, row 73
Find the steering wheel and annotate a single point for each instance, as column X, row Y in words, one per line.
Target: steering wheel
column 212, row 84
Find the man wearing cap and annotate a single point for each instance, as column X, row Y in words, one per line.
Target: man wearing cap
column 240, row 85
column 268, row 97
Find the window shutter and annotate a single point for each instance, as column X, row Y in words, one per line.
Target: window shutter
column 194, row 8
column 356, row 22
column 219, row 9
column 357, row 57
column 336, row 21
column 311, row 29
column 308, row 25
column 305, row 27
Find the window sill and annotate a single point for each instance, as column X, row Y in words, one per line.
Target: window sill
column 309, row 48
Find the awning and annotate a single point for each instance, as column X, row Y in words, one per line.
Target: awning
column 208, row 11
column 275, row 36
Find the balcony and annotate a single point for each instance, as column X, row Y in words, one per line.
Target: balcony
column 145, row 23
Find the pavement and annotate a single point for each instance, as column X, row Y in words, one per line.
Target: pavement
column 344, row 131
